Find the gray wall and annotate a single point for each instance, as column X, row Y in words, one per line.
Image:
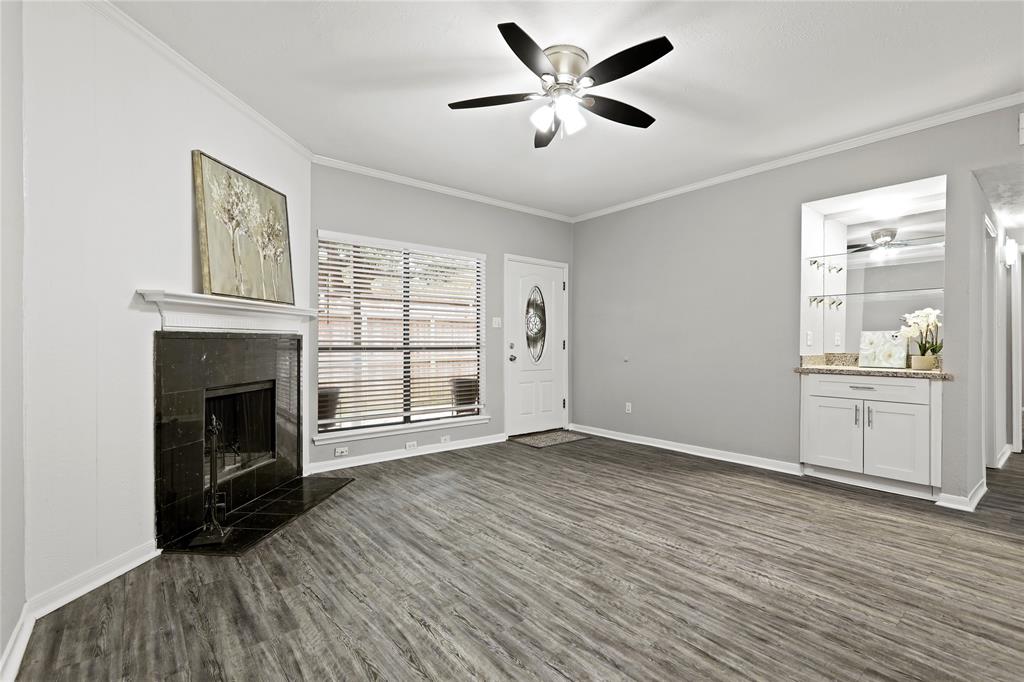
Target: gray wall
column 357, row 204
column 12, row 469
column 700, row 292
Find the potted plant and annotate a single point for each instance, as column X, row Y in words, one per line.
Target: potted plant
column 923, row 327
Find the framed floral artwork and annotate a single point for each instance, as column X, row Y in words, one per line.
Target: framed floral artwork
column 244, row 247
column 882, row 349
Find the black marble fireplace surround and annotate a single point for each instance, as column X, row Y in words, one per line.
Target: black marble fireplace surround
column 197, row 372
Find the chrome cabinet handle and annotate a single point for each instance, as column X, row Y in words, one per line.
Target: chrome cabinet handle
column 862, row 388
column 871, row 417
column 512, row 358
column 856, row 415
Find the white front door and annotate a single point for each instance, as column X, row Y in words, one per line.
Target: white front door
column 536, row 355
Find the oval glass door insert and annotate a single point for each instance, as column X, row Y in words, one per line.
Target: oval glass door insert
column 536, row 324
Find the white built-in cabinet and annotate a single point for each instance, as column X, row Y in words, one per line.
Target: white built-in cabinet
column 872, row 428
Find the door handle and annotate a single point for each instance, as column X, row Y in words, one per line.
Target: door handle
column 871, row 417
column 856, row 415
column 512, row 358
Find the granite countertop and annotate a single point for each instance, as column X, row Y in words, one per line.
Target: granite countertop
column 933, row 374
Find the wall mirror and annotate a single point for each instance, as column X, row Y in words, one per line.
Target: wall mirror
column 868, row 259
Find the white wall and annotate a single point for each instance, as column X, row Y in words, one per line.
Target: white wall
column 357, row 204
column 701, row 292
column 12, row 483
column 109, row 124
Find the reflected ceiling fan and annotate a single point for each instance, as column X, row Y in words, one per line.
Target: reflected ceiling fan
column 884, row 238
column 566, row 77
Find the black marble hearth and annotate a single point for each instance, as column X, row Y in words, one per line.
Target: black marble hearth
column 251, row 382
column 265, row 515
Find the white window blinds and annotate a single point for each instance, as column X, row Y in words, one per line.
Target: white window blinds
column 400, row 335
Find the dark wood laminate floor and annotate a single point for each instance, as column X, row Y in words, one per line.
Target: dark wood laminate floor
column 589, row 560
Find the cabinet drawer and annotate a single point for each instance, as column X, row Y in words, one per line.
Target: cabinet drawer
column 888, row 389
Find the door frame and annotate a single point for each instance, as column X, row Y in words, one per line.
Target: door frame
column 508, row 308
column 1015, row 322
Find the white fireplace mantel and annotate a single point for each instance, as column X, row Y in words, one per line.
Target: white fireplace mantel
column 203, row 312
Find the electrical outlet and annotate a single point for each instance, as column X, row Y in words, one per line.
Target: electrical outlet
column 838, row 340
column 446, row 438
column 810, row 338
column 629, row 408
column 496, row 322
column 340, row 452
column 411, row 445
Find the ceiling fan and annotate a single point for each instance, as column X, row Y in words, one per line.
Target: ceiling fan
column 566, row 77
column 884, row 238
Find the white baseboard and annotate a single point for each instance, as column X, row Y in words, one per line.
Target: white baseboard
column 64, row 593
column 1003, row 455
column 968, row 503
column 15, row 649
column 793, row 468
column 924, row 492
column 388, row 455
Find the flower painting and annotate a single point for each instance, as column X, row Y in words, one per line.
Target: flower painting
column 243, row 233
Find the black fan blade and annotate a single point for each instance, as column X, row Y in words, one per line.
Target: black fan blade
column 491, row 101
column 629, row 60
column 617, row 111
column 862, row 248
column 543, row 139
column 529, row 52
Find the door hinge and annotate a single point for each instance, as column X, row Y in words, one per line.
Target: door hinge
column 563, row 344
column 563, row 286
column 563, row 403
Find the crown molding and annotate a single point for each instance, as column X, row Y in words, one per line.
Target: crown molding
column 878, row 136
column 115, row 14
column 107, row 9
column 321, row 160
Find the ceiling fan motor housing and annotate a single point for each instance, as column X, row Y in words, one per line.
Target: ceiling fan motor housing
column 568, row 60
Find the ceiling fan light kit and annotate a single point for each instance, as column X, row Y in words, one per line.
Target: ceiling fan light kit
column 565, row 78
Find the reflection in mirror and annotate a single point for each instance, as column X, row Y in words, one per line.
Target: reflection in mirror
column 868, row 259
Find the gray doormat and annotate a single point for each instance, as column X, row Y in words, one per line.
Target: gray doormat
column 543, row 439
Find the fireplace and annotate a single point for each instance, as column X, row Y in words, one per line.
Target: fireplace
column 247, row 387
column 243, row 417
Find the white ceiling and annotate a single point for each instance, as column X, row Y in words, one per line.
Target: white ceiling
column 368, row 83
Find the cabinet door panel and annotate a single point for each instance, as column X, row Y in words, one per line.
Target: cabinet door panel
column 833, row 433
column 896, row 441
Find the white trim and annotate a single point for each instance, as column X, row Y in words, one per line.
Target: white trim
column 166, row 299
column 327, row 161
column 115, row 14
column 967, row 504
column 392, row 429
column 65, row 593
column 363, row 240
column 86, row 581
column 109, row 10
column 924, row 492
column 10, row 662
column 793, row 468
column 507, row 311
column 387, row 456
column 1004, row 454
column 852, row 143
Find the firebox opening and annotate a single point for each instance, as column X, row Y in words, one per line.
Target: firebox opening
column 247, row 436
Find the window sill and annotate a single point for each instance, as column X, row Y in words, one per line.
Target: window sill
column 378, row 431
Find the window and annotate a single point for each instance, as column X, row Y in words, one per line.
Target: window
column 400, row 333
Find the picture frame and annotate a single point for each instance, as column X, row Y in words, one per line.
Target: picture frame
column 244, row 239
